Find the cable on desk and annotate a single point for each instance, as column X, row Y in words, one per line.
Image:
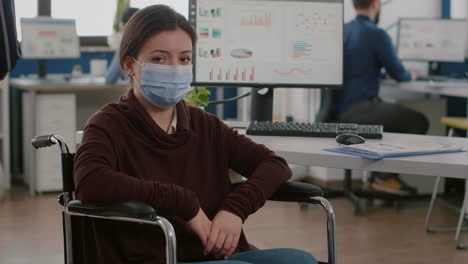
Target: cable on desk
column 230, row 99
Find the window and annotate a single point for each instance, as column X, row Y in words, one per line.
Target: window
column 93, row 18
column 180, row 6
column 24, row 8
column 459, row 9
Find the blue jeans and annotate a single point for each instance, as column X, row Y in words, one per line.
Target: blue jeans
column 267, row 256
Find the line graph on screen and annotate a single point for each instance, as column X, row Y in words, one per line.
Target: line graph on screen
column 293, row 71
column 255, row 19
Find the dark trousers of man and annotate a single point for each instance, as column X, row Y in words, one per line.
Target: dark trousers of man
column 395, row 118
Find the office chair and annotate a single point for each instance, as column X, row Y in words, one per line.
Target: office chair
column 138, row 212
column 452, row 123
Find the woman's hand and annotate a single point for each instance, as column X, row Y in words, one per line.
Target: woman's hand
column 224, row 234
column 200, row 225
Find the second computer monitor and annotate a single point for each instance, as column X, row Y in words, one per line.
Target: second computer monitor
column 439, row 40
column 48, row 38
column 269, row 43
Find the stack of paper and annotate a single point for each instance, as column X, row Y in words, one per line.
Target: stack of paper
column 379, row 150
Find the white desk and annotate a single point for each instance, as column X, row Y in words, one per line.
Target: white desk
column 309, row 151
column 452, row 87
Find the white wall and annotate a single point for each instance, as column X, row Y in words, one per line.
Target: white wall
column 349, row 12
column 393, row 10
column 460, row 10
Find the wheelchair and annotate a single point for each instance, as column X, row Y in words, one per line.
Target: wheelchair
column 139, row 212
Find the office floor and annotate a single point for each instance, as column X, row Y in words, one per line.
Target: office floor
column 30, row 232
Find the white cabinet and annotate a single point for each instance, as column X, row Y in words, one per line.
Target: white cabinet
column 48, row 114
column 53, row 107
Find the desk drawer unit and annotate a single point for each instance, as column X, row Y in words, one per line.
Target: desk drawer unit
column 48, row 114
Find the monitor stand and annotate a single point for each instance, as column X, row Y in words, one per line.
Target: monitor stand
column 261, row 104
column 42, row 69
column 434, row 68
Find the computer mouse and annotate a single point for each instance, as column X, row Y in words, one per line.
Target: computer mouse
column 349, row 139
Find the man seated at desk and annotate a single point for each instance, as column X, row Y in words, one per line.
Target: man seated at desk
column 368, row 49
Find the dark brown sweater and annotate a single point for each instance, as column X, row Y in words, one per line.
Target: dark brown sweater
column 126, row 156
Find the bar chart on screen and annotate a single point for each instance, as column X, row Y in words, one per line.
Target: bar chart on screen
column 255, row 19
column 234, row 73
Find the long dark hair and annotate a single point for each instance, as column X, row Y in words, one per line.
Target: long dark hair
column 148, row 22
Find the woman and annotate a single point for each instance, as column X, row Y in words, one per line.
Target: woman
column 152, row 147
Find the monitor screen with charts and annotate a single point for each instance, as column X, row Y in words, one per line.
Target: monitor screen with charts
column 268, row 43
column 439, row 40
column 47, row 38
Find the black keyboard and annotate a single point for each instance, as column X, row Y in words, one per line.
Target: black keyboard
column 295, row 129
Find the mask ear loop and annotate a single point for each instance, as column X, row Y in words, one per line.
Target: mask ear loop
column 133, row 75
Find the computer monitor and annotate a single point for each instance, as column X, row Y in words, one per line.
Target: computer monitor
column 437, row 40
column 466, row 49
column 268, row 43
column 47, row 38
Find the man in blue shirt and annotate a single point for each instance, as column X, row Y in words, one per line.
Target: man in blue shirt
column 368, row 49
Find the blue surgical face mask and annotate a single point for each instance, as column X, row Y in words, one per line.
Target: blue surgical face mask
column 165, row 85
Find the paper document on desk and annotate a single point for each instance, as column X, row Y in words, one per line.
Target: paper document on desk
column 380, row 150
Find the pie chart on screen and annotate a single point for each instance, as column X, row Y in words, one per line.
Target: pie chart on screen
column 241, row 53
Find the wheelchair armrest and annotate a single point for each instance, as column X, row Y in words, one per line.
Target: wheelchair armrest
column 296, row 192
column 137, row 210
column 293, row 192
